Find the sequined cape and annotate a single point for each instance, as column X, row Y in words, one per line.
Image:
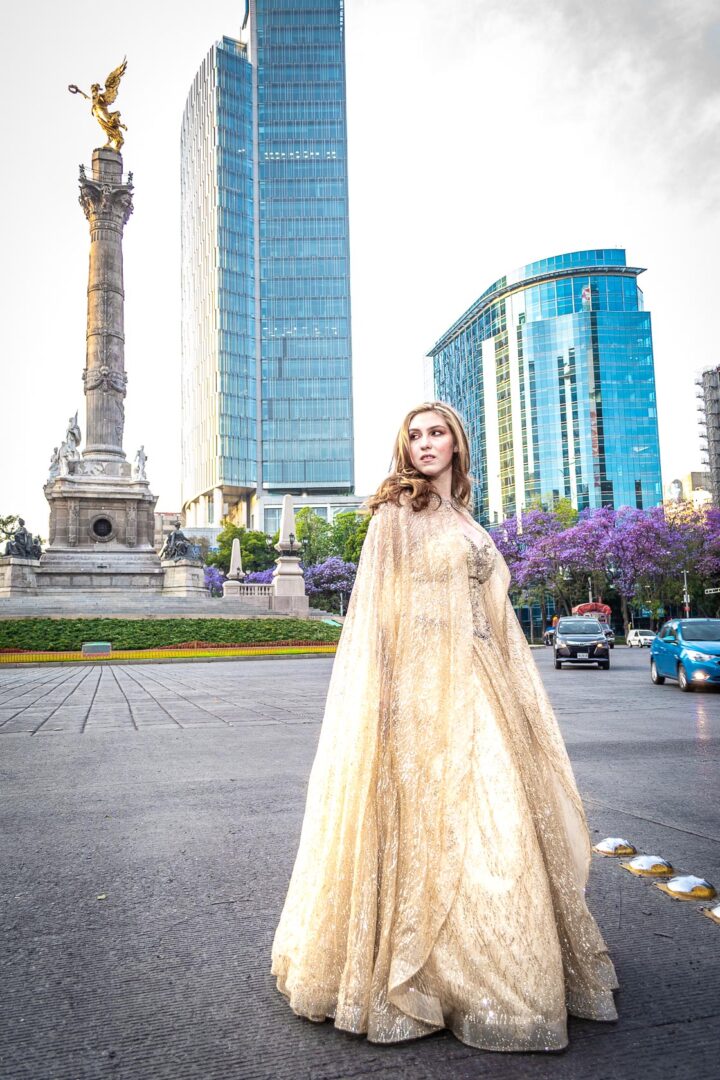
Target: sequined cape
column 439, row 880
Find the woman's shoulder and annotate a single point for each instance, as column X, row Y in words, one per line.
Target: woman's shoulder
column 393, row 507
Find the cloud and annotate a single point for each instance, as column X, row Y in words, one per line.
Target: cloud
column 644, row 73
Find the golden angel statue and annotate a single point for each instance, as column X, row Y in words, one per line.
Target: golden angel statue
column 101, row 100
column 441, row 870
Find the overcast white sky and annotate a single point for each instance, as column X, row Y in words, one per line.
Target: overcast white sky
column 482, row 136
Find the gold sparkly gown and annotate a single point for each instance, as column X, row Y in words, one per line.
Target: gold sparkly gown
column 440, row 876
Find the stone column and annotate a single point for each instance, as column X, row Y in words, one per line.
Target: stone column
column 218, row 506
column 107, row 203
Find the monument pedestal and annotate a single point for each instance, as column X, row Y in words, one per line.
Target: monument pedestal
column 18, row 576
column 232, row 590
column 288, row 593
column 101, row 530
column 183, row 577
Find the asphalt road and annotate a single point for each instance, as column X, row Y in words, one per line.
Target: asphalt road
column 175, row 793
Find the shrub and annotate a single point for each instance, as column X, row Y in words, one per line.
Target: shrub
column 65, row 635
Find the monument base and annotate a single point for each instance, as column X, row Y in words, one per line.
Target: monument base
column 127, row 571
column 288, row 587
column 183, row 577
column 101, row 530
column 290, row 605
column 18, row 576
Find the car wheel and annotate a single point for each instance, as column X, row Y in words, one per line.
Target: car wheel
column 558, row 664
column 604, row 665
column 657, row 679
column 683, row 681
column 612, row 646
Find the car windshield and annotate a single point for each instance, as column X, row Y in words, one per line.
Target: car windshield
column 588, row 627
column 702, row 630
column 646, row 633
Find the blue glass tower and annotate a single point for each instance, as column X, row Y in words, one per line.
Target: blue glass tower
column 552, row 369
column 267, row 373
column 304, row 249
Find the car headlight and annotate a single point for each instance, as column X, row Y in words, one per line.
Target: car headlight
column 698, row 657
column 559, row 640
column 601, row 645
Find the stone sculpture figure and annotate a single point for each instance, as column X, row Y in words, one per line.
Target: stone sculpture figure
column 177, row 546
column 139, row 465
column 68, row 450
column 22, row 544
column 72, row 435
column 109, row 121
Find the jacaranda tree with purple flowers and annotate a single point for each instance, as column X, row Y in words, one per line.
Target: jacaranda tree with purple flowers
column 329, row 584
column 260, row 577
column 214, row 580
column 528, row 548
column 635, row 557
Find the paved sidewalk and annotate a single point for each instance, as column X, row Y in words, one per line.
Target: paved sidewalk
column 144, row 697
column 176, row 793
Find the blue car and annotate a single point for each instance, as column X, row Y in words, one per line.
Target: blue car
column 687, row 650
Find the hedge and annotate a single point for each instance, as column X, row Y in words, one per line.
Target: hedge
column 63, row 635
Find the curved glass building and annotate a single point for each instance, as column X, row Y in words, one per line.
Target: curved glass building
column 552, row 370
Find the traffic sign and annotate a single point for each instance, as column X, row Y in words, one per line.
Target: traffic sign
column 708, row 591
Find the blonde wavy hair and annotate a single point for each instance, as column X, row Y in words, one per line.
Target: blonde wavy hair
column 404, row 478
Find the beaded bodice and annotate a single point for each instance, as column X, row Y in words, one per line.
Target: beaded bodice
column 480, row 559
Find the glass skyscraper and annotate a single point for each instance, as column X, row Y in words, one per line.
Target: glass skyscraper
column 267, row 379
column 552, row 370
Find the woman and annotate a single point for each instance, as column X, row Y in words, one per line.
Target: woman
column 444, row 852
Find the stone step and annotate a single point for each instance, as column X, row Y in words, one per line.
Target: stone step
column 77, row 605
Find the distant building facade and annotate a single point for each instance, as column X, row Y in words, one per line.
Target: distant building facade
column 552, row 369
column 164, row 521
column 266, row 336
column 692, row 488
column 708, row 394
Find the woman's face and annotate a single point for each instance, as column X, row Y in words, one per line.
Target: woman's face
column 431, row 444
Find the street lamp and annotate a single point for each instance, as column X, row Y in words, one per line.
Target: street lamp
column 686, row 595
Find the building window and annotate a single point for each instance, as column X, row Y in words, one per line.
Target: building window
column 272, row 519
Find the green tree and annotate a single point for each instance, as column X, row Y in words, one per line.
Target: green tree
column 347, row 535
column 315, row 535
column 255, row 549
column 563, row 509
column 8, row 525
column 565, row 512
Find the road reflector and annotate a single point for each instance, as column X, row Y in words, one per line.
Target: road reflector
column 713, row 913
column 614, row 846
column 649, row 866
column 688, row 887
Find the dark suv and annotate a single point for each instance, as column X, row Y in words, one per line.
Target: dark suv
column 580, row 640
